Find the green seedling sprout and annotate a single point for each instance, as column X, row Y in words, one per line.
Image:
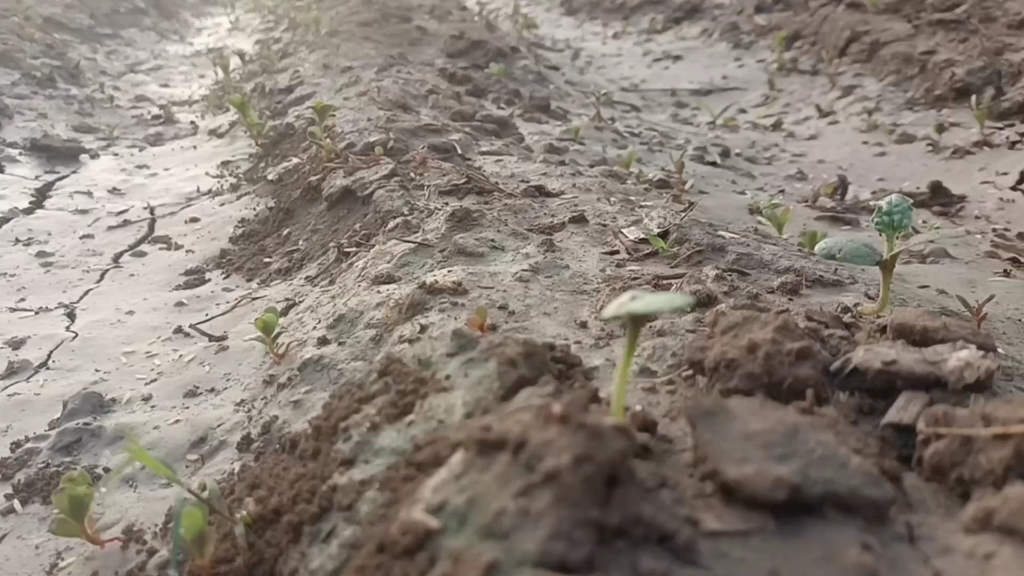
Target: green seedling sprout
column 478, row 321
column 628, row 162
column 191, row 537
column 893, row 219
column 977, row 310
column 781, row 46
column 659, row 244
column 774, row 214
column 270, row 330
column 637, row 308
column 73, row 518
column 577, row 134
column 982, row 109
column 809, row 239
column 715, row 118
column 320, row 132
column 497, row 69
column 256, row 127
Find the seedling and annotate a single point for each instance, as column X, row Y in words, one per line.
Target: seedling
column 577, row 134
column 678, row 166
column 628, row 161
column 478, row 321
column 977, row 310
column 939, row 128
column 600, row 97
column 73, row 518
column 715, row 118
column 637, row 308
column 659, row 244
column 809, row 239
column 982, row 109
column 320, row 132
column 893, row 219
column 269, row 327
column 781, row 47
column 774, row 214
column 497, row 70
column 256, row 127
column 191, row 537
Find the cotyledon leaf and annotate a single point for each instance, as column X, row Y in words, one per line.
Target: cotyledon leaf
column 849, row 251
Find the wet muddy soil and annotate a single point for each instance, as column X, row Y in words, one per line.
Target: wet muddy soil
column 534, row 159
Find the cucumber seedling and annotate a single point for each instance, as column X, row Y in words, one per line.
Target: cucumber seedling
column 270, row 330
column 250, row 118
column 774, row 214
column 73, row 500
column 977, row 310
column 319, row 134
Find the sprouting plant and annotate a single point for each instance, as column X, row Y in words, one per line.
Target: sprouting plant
column 320, row 132
column 939, row 128
column 982, row 109
column 637, row 308
column 678, row 167
column 716, row 118
column 478, row 321
column 628, row 161
column 977, row 310
column 659, row 244
column 894, row 220
column 255, row 126
column 206, row 495
column 191, row 537
column 600, row 98
column 774, row 214
column 269, row 327
column 781, row 46
column 809, row 239
column 73, row 501
column 497, row 69
column 577, row 134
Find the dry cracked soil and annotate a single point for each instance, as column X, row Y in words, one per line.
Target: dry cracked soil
column 534, row 158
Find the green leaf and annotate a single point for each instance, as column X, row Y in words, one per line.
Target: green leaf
column 76, row 477
column 641, row 303
column 64, row 527
column 194, row 522
column 76, row 501
column 849, row 251
column 152, row 463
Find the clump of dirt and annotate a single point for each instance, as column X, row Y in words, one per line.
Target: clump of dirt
column 1002, row 511
column 923, row 329
column 944, row 55
column 752, row 353
column 38, row 484
column 16, row 462
column 967, row 462
column 290, row 486
column 534, row 489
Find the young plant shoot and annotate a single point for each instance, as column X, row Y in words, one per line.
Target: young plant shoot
column 809, row 239
column 774, row 214
column 247, row 114
column 637, row 308
column 976, row 310
column 893, row 219
column 192, row 540
column 320, row 132
column 478, row 321
column 73, row 500
column 269, row 327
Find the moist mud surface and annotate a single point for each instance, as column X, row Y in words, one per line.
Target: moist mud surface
column 534, row 159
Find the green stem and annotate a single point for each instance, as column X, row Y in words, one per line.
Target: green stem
column 888, row 271
column 623, row 370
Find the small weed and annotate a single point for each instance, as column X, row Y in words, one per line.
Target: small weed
column 977, row 310
column 254, row 125
column 577, row 134
column 320, row 132
column 191, row 537
column 678, row 167
column 73, row 518
column 810, row 238
column 774, row 214
column 478, row 321
column 716, row 118
column 270, row 330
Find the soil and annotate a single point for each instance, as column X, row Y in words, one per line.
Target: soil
column 522, row 157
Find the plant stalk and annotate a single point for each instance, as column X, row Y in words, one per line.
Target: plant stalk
column 625, row 367
column 888, row 270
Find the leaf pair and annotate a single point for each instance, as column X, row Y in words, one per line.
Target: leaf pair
column 269, row 327
column 256, row 127
column 977, row 310
column 478, row 321
column 191, row 536
column 809, row 239
column 774, row 214
column 73, row 500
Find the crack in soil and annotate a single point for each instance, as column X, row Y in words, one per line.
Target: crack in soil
column 70, row 309
column 40, row 195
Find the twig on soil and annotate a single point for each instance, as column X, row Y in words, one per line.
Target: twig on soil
column 220, row 337
column 617, row 236
column 417, row 510
column 207, row 335
column 416, row 242
column 987, row 432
